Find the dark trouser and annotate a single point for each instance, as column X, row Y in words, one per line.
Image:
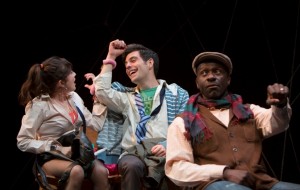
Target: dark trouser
column 132, row 170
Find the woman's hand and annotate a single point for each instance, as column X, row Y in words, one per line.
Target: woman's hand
column 66, row 151
column 91, row 87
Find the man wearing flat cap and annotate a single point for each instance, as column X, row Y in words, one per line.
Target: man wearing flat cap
column 216, row 143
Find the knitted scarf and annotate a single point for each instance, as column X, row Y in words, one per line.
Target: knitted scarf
column 196, row 129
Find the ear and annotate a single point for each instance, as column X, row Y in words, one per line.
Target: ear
column 229, row 80
column 150, row 63
column 60, row 83
column 196, row 83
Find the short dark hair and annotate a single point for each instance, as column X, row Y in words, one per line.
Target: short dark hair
column 145, row 54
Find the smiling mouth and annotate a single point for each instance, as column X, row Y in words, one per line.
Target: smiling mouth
column 132, row 73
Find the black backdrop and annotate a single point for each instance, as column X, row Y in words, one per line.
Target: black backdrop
column 262, row 39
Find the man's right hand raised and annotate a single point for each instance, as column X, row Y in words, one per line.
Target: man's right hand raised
column 115, row 49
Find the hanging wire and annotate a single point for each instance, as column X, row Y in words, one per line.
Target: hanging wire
column 292, row 77
column 294, row 53
column 182, row 25
column 117, row 30
column 295, row 47
column 113, row 37
column 277, row 79
column 290, row 89
column 229, row 26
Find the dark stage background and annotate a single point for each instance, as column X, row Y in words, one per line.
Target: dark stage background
column 261, row 37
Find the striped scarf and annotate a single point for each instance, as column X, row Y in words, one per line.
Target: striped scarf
column 196, row 129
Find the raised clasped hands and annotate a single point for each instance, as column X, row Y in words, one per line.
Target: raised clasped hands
column 277, row 95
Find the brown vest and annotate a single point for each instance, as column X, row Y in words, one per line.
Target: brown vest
column 239, row 146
